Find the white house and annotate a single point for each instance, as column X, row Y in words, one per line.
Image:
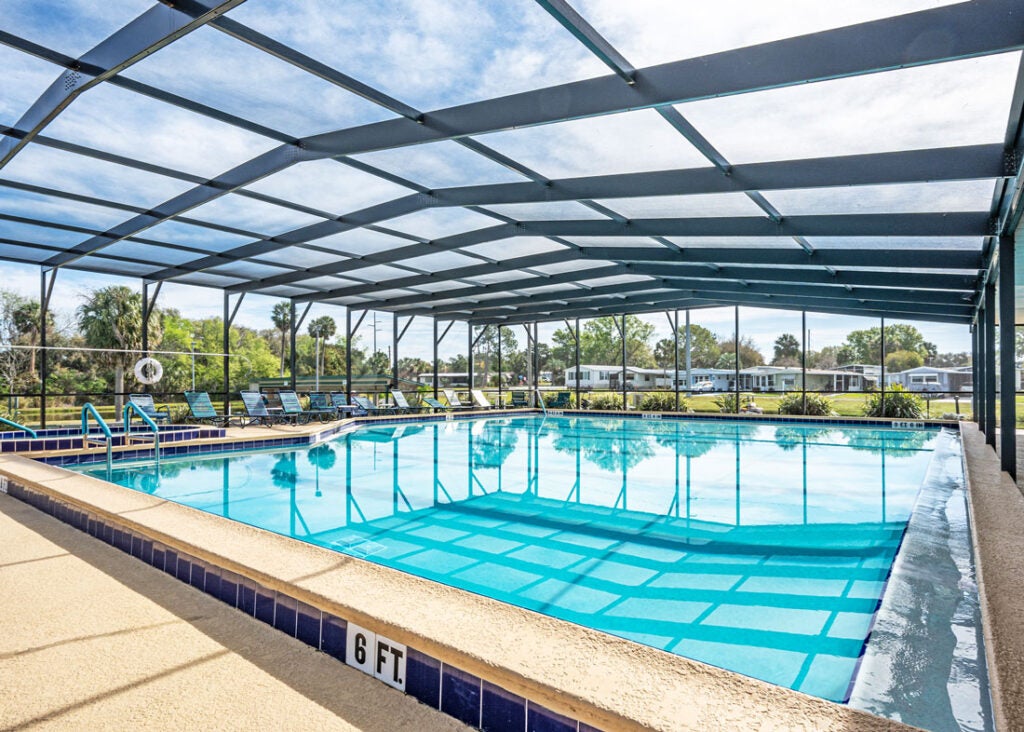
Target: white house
column 932, row 378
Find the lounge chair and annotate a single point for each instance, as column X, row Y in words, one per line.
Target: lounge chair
column 403, row 404
column 320, row 405
column 145, row 403
column 340, row 403
column 519, row 400
column 256, row 411
column 562, row 400
column 480, row 400
column 370, row 408
column 292, row 407
column 453, row 400
column 201, row 410
column 436, row 405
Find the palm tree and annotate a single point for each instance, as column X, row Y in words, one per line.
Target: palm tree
column 282, row 317
column 322, row 327
column 111, row 317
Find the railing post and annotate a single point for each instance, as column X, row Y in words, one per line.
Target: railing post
column 1007, row 358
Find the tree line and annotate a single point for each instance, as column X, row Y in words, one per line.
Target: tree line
column 111, row 318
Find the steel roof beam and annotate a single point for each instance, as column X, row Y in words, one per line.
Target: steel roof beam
column 883, row 225
column 963, row 163
column 607, row 292
column 148, row 33
column 705, row 303
column 926, row 37
column 964, row 30
column 675, row 299
column 862, row 277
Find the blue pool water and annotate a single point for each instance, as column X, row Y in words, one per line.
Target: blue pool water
column 759, row 548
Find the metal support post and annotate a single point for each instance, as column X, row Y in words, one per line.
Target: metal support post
column 881, row 383
column 979, row 385
column 292, row 356
column 975, row 363
column 622, row 332
column 578, row 404
column 500, row 397
column 226, row 350
column 47, row 278
column 803, row 358
column 437, row 365
column 675, row 360
column 395, row 337
column 736, row 349
column 1007, row 358
column 348, row 353
column 990, row 363
column 469, row 360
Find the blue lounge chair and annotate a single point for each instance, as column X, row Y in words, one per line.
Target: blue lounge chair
column 436, row 405
column 145, row 403
column 320, row 404
column 201, row 410
column 292, row 407
column 256, row 410
column 343, row 408
column 367, row 406
column 562, row 400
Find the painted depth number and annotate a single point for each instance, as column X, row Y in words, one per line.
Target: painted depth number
column 373, row 654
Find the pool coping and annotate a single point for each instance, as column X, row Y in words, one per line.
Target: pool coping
column 450, row 633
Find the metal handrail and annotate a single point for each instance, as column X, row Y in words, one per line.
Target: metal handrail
column 540, row 398
column 31, row 432
column 131, row 407
column 89, row 410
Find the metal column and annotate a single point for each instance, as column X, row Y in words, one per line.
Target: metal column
column 675, row 360
column 226, row 348
column 578, row 405
column 990, row 363
column 622, row 332
column 979, row 385
column 975, row 360
column 881, row 382
column 47, row 278
column 469, row 359
column 736, row 349
column 437, row 365
column 803, row 358
column 348, row 352
column 1007, row 358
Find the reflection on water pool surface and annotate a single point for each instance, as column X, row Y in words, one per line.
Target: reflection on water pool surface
column 760, row 548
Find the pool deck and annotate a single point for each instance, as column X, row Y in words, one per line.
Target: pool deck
column 91, row 638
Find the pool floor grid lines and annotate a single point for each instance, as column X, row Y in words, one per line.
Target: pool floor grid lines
column 495, row 708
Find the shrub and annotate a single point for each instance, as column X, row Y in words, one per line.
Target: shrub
column 662, row 401
column 899, row 404
column 727, row 402
column 605, row 401
column 817, row 405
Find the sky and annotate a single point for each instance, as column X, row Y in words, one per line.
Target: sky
column 432, row 54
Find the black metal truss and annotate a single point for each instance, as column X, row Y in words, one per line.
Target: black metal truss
column 927, row 281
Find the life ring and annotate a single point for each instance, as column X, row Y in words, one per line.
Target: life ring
column 148, row 370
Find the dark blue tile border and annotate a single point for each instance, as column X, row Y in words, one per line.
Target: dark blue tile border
column 460, row 695
column 441, row 686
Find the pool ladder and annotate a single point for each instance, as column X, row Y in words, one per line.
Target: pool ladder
column 88, row 440
column 130, row 409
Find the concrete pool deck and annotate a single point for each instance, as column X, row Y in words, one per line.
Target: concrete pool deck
column 91, row 638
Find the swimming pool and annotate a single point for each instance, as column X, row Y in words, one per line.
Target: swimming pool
column 760, row 548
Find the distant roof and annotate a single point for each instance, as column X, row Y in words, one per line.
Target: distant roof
column 506, row 164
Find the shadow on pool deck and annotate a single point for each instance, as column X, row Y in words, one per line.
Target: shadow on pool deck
column 91, row 638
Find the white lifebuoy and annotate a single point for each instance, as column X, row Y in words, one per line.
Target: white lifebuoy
column 148, row 370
